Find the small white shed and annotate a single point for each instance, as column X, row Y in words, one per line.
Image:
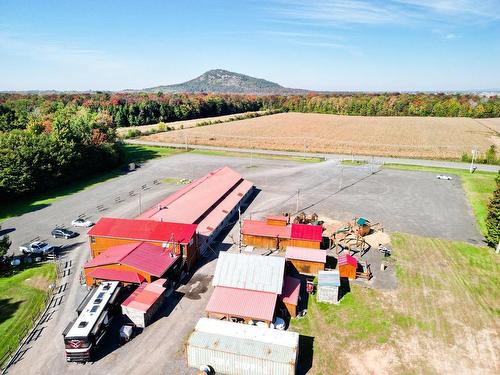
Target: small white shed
column 328, row 286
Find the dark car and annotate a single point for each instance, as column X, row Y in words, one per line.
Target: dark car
column 63, row 233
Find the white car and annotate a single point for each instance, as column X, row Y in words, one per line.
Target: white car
column 82, row 223
column 37, row 247
column 443, row 177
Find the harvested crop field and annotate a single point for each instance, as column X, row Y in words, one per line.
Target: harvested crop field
column 414, row 137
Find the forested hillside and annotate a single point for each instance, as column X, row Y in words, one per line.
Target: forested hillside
column 47, row 140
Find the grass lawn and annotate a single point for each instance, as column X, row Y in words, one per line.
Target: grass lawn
column 478, row 186
column 131, row 153
column 257, row 156
column 443, row 318
column 22, row 298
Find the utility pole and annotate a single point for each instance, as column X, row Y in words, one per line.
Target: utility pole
column 185, row 140
column 341, row 176
column 140, row 203
column 239, row 222
column 474, row 156
column 297, row 207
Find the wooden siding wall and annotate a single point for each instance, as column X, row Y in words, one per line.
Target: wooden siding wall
column 101, row 244
column 282, row 223
column 219, row 316
column 265, row 242
column 307, row 267
column 292, row 309
column 347, row 271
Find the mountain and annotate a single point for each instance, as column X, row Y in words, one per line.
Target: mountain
column 223, row 81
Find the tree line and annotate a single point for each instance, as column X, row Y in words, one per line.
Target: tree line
column 48, row 140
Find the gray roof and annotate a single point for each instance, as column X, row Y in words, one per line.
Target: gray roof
column 253, row 272
column 328, row 278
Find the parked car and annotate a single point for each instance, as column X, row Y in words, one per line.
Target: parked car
column 82, row 223
column 63, row 233
column 37, row 247
column 443, row 177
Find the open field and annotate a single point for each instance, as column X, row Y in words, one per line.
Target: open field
column 443, row 317
column 22, row 298
column 415, row 137
column 183, row 124
column 478, row 187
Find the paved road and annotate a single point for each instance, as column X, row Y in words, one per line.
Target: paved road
column 374, row 159
column 414, row 202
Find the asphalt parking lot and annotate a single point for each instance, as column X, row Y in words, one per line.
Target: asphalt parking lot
column 413, row 202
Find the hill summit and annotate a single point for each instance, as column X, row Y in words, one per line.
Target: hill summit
column 224, row 81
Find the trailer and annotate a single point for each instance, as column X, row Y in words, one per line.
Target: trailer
column 83, row 335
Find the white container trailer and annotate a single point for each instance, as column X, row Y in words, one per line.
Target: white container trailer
column 241, row 349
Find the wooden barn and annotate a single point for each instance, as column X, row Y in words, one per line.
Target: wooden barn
column 278, row 236
column 306, row 261
column 261, row 234
column 290, row 295
column 131, row 263
column 347, row 266
column 177, row 238
column 328, row 286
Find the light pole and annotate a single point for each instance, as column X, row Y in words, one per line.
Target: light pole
column 474, row 156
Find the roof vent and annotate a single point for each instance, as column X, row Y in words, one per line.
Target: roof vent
column 82, row 324
column 106, row 286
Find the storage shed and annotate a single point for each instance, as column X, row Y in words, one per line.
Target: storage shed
column 264, row 235
column 143, row 304
column 305, row 260
column 291, row 294
column 347, row 266
column 328, row 286
column 240, row 349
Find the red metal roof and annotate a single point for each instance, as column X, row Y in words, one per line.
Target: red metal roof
column 144, row 296
column 143, row 256
column 242, row 303
column 307, row 232
column 190, row 203
column 291, row 290
column 112, row 255
column 143, row 230
column 345, row 259
column 116, row 275
column 261, row 228
column 219, row 213
column 302, row 253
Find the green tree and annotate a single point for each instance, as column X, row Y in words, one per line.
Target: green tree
column 493, row 218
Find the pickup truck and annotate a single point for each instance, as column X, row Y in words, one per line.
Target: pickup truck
column 37, row 247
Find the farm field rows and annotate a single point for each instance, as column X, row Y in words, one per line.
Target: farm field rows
column 414, row 137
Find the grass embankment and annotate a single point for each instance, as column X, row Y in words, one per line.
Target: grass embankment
column 442, row 318
column 22, row 298
column 478, row 187
column 299, row 159
column 130, row 153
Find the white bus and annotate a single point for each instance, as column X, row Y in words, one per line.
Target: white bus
column 83, row 335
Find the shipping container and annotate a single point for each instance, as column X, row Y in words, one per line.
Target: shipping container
column 240, row 349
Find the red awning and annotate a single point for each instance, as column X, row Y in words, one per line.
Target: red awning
column 242, row 303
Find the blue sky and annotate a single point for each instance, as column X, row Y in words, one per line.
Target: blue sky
column 315, row 44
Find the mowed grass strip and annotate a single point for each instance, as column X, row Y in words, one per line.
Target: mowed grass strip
column 22, row 298
column 478, row 187
column 443, row 317
column 130, row 153
column 299, row 159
